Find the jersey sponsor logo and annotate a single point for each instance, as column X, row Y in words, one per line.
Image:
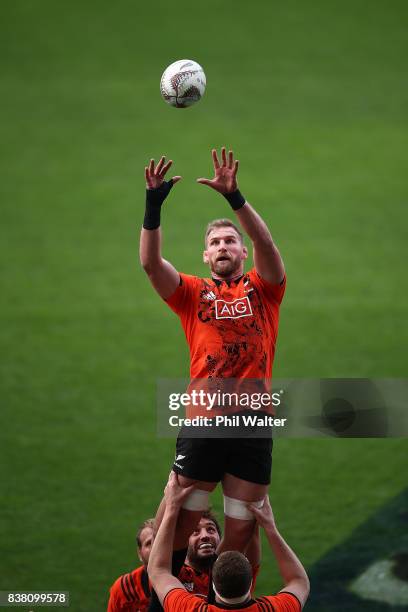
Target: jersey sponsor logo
column 241, row 307
column 180, row 457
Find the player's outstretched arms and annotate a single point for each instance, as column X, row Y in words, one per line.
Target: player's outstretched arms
column 267, row 259
column 163, row 276
column 291, row 569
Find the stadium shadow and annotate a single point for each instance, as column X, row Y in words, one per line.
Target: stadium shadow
column 369, row 571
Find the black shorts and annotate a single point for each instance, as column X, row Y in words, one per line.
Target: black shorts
column 209, row 459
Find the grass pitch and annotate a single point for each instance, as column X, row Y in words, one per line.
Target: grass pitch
column 312, row 98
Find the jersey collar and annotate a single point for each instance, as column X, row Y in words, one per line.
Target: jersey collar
column 226, row 606
column 228, row 282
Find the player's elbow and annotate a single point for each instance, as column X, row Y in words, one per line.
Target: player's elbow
column 154, row 572
column 306, row 586
column 148, row 264
column 300, row 587
column 151, row 570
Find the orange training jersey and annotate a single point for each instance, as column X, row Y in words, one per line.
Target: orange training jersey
column 195, row 582
column 231, row 326
column 130, row 592
column 178, row 600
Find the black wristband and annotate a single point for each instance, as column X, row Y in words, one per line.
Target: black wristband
column 154, row 201
column 236, row 199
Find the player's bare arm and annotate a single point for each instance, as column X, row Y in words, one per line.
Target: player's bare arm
column 267, row 259
column 290, row 568
column 159, row 567
column 163, row 276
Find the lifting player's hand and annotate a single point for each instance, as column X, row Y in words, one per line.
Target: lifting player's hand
column 225, row 179
column 155, row 175
column 174, row 493
column 264, row 514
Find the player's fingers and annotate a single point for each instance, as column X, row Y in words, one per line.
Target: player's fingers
column 230, row 159
column 176, row 179
column 147, row 175
column 236, row 164
column 165, row 168
column 224, row 156
column 252, row 509
column 159, row 165
column 187, row 491
column 151, row 166
column 215, row 159
column 205, row 181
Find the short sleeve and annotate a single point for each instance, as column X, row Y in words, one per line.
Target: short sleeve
column 181, row 299
column 178, row 600
column 270, row 291
column 284, row 602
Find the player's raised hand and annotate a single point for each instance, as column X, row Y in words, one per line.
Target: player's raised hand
column 174, row 493
column 264, row 514
column 155, row 175
column 225, row 179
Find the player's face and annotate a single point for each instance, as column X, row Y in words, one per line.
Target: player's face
column 225, row 253
column 203, row 542
column 146, row 538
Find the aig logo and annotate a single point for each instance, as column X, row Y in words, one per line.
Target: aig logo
column 240, row 307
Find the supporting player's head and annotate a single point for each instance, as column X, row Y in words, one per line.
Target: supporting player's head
column 232, row 577
column 144, row 540
column 225, row 251
column 203, row 542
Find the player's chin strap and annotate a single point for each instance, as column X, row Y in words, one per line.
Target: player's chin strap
column 236, row 508
column 197, row 500
column 233, row 600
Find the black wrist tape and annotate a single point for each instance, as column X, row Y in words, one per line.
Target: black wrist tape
column 236, row 199
column 154, row 201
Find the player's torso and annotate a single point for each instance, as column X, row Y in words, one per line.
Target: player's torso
column 232, row 331
column 194, row 582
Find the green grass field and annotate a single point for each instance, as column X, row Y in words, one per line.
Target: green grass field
column 313, row 99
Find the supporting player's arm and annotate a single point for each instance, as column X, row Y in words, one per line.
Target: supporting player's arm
column 290, row 568
column 163, row 276
column 267, row 259
column 159, row 567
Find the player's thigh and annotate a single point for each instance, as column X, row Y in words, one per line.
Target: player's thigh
column 246, row 480
column 250, row 462
column 243, row 490
column 199, row 484
column 239, row 528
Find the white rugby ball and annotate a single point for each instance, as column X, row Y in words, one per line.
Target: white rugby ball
column 183, row 83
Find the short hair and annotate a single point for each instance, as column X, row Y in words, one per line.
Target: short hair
column 232, row 574
column 210, row 516
column 148, row 523
column 222, row 223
